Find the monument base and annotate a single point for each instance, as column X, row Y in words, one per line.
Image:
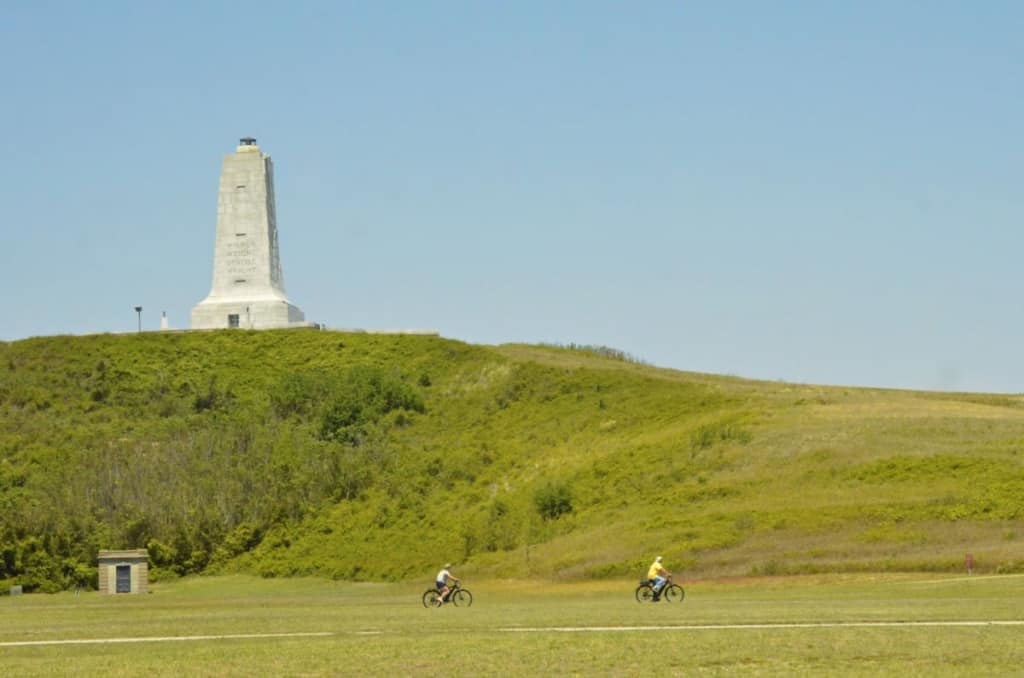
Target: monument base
column 247, row 315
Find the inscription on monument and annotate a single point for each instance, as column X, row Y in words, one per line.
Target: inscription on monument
column 239, row 257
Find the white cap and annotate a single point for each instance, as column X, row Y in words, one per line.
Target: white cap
column 658, row 559
column 447, row 565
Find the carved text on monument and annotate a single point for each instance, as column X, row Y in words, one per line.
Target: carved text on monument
column 239, row 258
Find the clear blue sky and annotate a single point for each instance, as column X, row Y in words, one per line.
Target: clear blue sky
column 823, row 191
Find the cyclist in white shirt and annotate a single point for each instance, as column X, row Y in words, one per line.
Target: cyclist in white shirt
column 442, row 579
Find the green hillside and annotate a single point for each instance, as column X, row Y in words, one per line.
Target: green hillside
column 369, row 457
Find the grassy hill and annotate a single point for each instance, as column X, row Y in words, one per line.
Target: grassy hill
column 359, row 456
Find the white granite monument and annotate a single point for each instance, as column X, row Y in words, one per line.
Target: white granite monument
column 248, row 286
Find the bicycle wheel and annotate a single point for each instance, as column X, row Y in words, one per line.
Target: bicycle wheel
column 644, row 594
column 430, row 598
column 462, row 598
column 673, row 593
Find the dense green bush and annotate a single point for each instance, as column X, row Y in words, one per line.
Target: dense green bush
column 359, row 398
column 553, row 499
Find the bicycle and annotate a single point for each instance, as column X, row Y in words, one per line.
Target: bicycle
column 458, row 596
column 670, row 592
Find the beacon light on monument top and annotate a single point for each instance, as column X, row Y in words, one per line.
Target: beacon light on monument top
column 248, row 285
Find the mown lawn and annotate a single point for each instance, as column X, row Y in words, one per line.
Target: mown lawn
column 527, row 628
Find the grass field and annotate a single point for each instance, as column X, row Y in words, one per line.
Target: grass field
column 832, row 625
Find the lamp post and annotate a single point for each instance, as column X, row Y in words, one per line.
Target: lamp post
column 138, row 309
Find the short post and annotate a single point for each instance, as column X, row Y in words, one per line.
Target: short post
column 969, row 562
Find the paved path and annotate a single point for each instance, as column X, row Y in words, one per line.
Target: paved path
column 158, row 639
column 529, row 629
column 799, row 625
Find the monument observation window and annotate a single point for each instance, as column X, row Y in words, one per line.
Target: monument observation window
column 233, row 320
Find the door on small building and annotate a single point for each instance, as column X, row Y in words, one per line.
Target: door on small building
column 124, row 579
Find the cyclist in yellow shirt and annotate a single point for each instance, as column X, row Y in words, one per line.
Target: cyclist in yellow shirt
column 658, row 576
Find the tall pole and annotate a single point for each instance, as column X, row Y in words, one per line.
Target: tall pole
column 138, row 309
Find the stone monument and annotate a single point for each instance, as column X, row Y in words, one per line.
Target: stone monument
column 248, row 286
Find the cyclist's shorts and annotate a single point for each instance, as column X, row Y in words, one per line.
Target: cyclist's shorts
column 440, row 585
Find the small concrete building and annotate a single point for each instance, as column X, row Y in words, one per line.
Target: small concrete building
column 124, row 571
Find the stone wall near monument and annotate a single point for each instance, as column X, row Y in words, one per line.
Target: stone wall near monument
column 248, row 285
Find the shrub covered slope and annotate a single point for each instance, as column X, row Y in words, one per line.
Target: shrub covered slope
column 362, row 456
